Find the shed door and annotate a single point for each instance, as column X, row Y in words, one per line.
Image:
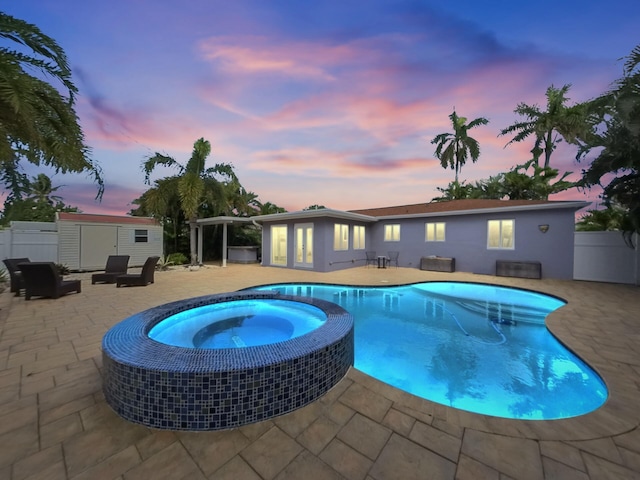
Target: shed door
column 97, row 242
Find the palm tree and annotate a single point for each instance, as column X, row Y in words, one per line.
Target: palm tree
column 162, row 202
column 518, row 185
column 453, row 149
column 37, row 122
column 197, row 186
column 611, row 218
column 619, row 113
column 267, row 208
column 42, row 190
column 549, row 127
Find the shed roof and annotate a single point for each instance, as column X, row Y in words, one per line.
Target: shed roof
column 96, row 218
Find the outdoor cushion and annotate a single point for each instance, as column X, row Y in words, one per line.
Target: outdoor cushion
column 43, row 280
column 116, row 265
column 15, row 275
column 144, row 278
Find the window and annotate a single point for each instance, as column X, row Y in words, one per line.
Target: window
column 279, row 245
column 392, row 233
column 434, row 232
column 358, row 237
column 340, row 236
column 500, row 234
column 141, row 236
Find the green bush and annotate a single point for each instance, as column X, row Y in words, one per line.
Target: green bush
column 177, row 258
column 62, row 269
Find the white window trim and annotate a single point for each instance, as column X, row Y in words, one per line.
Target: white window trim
column 343, row 239
column 513, row 234
column 392, row 230
column 361, row 237
column 435, row 231
column 272, row 252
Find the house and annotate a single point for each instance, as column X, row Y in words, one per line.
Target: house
column 83, row 241
column 478, row 236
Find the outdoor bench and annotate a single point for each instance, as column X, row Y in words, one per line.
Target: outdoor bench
column 521, row 269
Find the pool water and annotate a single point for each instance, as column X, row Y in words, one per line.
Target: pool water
column 238, row 324
column 475, row 347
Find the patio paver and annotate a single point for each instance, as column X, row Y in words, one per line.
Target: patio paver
column 55, row 423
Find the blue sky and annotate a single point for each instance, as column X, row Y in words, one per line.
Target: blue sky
column 331, row 102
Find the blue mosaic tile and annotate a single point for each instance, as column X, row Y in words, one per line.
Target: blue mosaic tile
column 176, row 388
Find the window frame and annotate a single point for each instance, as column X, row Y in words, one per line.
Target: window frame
column 140, row 235
column 340, row 237
column 392, row 232
column 434, row 226
column 501, row 222
column 359, row 238
column 272, row 256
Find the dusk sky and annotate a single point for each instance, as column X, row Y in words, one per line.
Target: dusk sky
column 331, row 102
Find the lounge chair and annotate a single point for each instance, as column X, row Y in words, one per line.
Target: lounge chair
column 15, row 275
column 116, row 265
column 372, row 258
column 392, row 257
column 42, row 279
column 144, row 278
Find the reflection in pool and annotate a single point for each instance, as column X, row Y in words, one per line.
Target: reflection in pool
column 475, row 347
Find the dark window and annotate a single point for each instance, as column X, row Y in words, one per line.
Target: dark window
column 141, row 236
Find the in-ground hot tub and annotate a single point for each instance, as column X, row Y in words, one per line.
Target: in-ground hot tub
column 212, row 374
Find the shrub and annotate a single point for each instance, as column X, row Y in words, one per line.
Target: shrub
column 62, row 269
column 177, row 258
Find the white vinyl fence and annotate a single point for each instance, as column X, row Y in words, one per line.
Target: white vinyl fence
column 37, row 241
column 605, row 257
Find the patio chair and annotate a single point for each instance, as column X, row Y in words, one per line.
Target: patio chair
column 393, row 257
column 372, row 258
column 144, row 278
column 42, row 279
column 15, row 275
column 116, row 265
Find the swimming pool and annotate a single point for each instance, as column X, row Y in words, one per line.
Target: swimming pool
column 476, row 347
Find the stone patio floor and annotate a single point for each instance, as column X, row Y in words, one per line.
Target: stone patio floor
column 55, row 424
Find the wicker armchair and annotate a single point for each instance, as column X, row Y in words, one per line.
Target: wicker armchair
column 116, row 266
column 15, row 275
column 42, row 279
column 144, row 278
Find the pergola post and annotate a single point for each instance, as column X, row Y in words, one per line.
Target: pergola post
column 200, row 231
column 224, row 244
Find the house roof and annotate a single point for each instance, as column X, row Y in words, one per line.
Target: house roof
column 95, row 218
column 467, row 206
column 321, row 212
column 435, row 209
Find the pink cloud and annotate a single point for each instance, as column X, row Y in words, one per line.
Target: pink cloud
column 257, row 55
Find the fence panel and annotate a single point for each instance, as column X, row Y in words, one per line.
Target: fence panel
column 605, row 257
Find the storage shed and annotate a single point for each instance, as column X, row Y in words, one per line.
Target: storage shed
column 86, row 240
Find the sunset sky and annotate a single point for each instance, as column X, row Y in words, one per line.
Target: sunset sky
column 331, row 102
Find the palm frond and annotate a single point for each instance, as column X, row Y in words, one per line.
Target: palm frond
column 158, row 159
column 190, row 189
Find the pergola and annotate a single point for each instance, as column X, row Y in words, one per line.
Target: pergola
column 196, row 231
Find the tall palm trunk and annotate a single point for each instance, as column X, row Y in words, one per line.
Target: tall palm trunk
column 192, row 239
